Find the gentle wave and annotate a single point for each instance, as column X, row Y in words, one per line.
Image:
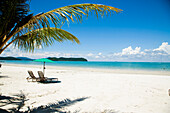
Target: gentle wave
column 109, row 65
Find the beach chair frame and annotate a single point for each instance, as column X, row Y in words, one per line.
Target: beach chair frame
column 32, row 77
column 45, row 79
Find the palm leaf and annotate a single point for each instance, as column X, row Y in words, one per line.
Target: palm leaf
column 11, row 12
column 42, row 38
column 60, row 15
column 32, row 31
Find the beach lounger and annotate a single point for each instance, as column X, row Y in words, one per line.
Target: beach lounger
column 32, row 77
column 45, row 79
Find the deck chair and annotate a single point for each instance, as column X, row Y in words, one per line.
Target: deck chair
column 45, row 79
column 32, row 77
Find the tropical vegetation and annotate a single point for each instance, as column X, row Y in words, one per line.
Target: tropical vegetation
column 27, row 31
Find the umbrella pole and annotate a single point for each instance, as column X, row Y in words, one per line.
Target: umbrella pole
column 44, row 68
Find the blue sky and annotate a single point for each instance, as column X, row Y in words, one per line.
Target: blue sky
column 140, row 33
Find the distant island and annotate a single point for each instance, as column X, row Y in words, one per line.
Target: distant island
column 51, row 58
column 9, row 58
column 67, row 59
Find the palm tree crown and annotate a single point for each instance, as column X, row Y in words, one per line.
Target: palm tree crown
column 28, row 32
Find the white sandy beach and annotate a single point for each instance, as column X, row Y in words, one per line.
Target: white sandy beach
column 103, row 90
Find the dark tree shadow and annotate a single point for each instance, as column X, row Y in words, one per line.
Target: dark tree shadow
column 3, row 76
column 55, row 107
column 19, row 100
column 3, row 111
column 47, row 82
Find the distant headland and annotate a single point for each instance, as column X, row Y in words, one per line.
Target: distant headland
column 51, row 58
column 66, row 59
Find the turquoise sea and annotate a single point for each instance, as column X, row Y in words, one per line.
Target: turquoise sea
column 109, row 65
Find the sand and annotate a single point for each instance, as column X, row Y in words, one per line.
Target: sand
column 88, row 89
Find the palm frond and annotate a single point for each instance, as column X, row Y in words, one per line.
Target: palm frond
column 11, row 12
column 73, row 12
column 31, row 32
column 43, row 37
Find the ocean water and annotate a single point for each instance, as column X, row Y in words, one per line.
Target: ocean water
column 109, row 65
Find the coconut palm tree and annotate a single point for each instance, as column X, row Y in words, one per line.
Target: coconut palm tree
column 27, row 31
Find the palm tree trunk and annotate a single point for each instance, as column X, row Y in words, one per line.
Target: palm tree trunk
column 3, row 46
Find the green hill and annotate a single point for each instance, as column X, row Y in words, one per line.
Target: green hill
column 9, row 58
column 67, row 59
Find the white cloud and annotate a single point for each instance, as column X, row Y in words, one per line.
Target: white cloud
column 130, row 51
column 164, row 48
column 162, row 53
column 90, row 54
column 11, row 51
column 97, row 56
column 100, row 53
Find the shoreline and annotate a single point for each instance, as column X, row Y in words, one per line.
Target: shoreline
column 93, row 69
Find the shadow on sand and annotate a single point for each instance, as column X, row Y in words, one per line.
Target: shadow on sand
column 56, row 107
column 19, row 100
column 47, row 82
column 3, row 76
